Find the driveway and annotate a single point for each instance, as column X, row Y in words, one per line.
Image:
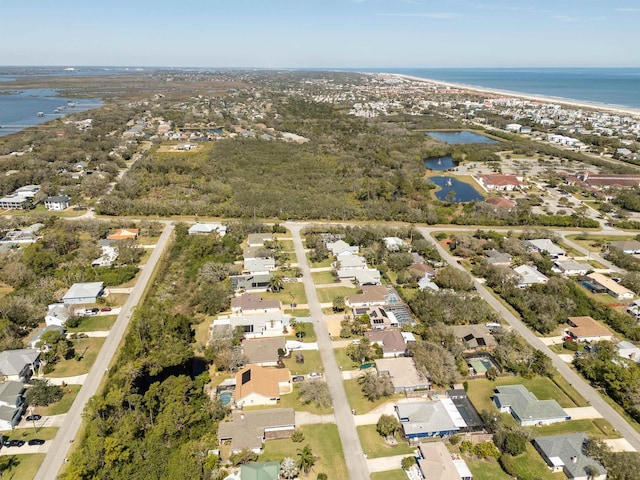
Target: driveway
column 384, row 464
column 353, row 454
column 580, row 413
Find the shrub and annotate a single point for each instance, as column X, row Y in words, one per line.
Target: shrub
column 507, row 463
column 297, row 436
column 407, row 462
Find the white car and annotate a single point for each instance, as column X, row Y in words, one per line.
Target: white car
column 313, row 375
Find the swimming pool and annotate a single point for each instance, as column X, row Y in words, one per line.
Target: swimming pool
column 226, row 398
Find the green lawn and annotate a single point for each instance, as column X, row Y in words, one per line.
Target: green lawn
column 284, row 295
column 358, row 402
column 322, row 264
column 486, row 469
column 571, row 392
column 320, row 278
column 326, row 295
column 374, row 445
column 62, row 406
column 481, row 390
column 343, row 360
column 298, row 312
column 326, row 447
column 28, row 466
column 26, row 434
column 94, row 323
column 89, row 348
column 601, row 429
column 309, row 333
column 394, row 475
column 312, row 362
column 531, row 466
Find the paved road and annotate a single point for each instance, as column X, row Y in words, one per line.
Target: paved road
column 59, row 447
column 588, row 392
column 353, row 454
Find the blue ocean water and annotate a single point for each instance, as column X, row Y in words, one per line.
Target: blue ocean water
column 610, row 86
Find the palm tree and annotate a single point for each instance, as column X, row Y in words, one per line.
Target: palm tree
column 276, row 283
column 306, row 459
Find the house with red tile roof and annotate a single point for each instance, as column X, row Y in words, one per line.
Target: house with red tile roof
column 494, row 181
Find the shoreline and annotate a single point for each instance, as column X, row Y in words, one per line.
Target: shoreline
column 617, row 109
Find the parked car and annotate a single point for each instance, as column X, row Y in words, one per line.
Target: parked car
column 105, row 309
column 33, row 418
column 36, row 441
column 313, row 375
column 13, row 443
column 298, row 378
column 91, row 311
column 567, row 338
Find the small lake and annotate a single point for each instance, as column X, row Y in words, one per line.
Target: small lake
column 441, row 163
column 461, row 137
column 463, row 191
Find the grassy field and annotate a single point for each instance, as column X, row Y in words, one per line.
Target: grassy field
column 27, row 467
column 489, row 469
column 374, row 445
column 26, row 434
column 392, row 475
column 298, row 312
column 320, row 278
column 481, row 390
column 531, row 466
column 312, row 362
column 343, row 360
column 309, row 333
column 598, row 428
column 322, row 264
column 94, row 324
column 89, row 348
column 62, row 406
column 284, row 295
column 326, row 295
column 358, row 402
column 325, row 445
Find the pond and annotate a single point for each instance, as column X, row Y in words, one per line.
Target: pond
column 460, row 137
column 463, row 191
column 440, row 163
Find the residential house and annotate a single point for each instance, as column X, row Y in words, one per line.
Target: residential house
column 57, row 314
column 395, row 244
column 403, row 373
column 36, row 337
column 254, row 325
column 494, row 257
column 252, row 303
column 634, row 309
column 57, row 203
column 570, row 267
column 14, row 202
column 341, row 247
column 26, row 235
column 258, row 239
column 528, row 275
column 264, row 352
column 379, row 317
column 631, row 247
column 19, row 365
column 629, row 351
column 435, row 462
column 12, row 404
column 108, row 253
column 526, row 408
column 391, row 341
column 124, row 234
column 425, row 283
column 566, row 453
column 421, row 270
column 612, row 287
column 207, row 228
column 545, row 245
column 375, row 295
column 80, row 293
column 501, row 203
column 250, row 282
column 257, row 385
column 466, row 410
column 475, row 337
column 250, row 429
column 429, row 418
column 369, row 276
column 260, row 266
column 494, row 181
column 346, row 265
column 260, row 471
column 587, row 329
column 28, row 191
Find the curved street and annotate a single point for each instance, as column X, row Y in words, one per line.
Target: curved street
column 353, row 454
column 60, row 445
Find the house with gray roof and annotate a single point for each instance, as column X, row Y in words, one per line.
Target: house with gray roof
column 35, row 339
column 545, row 245
column 341, row 247
column 403, row 373
column 19, row 365
column 429, row 418
column 629, row 351
column 80, row 293
column 251, row 282
column 565, row 453
column 528, row 275
column 57, row 314
column 475, row 337
column 526, row 408
column 268, row 324
column 570, row 267
column 632, row 247
column 264, row 351
column 494, row 257
column 57, row 203
column 252, row 428
column 259, row 265
column 258, row 239
column 12, row 404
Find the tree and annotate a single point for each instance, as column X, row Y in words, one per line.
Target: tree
column 451, row 277
column 375, row 386
column 243, row 456
column 276, row 283
column 591, row 471
column 387, row 425
column 306, row 460
column 435, row 361
column 41, row 393
column 129, row 252
column 339, row 304
column 55, row 346
column 512, row 442
column 7, row 462
column 407, row 462
column 288, row 468
column 315, row 391
column 322, row 476
column 230, row 359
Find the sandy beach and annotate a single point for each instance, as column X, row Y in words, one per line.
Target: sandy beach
column 617, row 109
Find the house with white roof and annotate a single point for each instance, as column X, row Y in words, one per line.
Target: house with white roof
column 19, row 365
column 429, row 418
column 57, row 314
column 629, row 351
column 87, row 292
column 207, row 228
column 570, row 267
column 395, row 244
column 341, row 247
column 526, row 408
column 545, row 245
column 528, row 275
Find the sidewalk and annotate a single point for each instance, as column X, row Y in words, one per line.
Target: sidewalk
column 308, row 418
column 77, row 380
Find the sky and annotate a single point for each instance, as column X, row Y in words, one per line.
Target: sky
column 321, row 33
